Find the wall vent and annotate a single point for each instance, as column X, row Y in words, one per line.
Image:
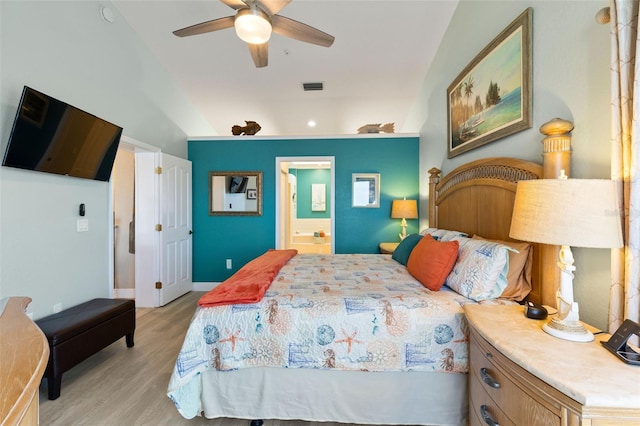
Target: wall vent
column 312, row 86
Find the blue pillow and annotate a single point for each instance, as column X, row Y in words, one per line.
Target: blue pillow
column 404, row 249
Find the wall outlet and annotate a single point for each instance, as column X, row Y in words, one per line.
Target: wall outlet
column 57, row 308
column 229, row 264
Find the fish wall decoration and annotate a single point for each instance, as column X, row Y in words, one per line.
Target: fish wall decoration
column 251, row 128
column 377, row 128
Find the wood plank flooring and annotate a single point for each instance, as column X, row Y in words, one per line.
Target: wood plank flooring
column 121, row 386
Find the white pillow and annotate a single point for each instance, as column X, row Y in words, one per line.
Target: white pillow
column 443, row 234
column 480, row 273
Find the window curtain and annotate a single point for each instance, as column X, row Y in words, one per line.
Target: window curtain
column 625, row 160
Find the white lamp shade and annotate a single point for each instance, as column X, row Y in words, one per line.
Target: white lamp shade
column 571, row 212
column 252, row 26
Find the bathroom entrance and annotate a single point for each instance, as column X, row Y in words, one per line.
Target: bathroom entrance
column 305, row 195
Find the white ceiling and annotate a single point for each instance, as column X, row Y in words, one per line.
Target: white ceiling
column 371, row 74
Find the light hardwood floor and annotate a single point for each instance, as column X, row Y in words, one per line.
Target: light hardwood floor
column 121, row 386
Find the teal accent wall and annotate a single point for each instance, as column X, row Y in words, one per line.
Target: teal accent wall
column 305, row 178
column 357, row 230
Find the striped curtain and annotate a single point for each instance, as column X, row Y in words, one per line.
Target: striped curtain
column 625, row 160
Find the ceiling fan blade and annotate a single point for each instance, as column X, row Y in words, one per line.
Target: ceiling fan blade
column 297, row 30
column 260, row 54
column 272, row 6
column 206, row 27
column 235, row 4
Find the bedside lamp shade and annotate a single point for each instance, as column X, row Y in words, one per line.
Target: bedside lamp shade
column 572, row 212
column 404, row 209
column 567, row 212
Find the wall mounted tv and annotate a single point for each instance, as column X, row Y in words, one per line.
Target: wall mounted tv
column 238, row 184
column 52, row 136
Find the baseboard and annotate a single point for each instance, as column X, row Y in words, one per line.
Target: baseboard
column 203, row 286
column 124, row 293
column 130, row 293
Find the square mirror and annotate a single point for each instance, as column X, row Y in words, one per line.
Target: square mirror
column 235, row 193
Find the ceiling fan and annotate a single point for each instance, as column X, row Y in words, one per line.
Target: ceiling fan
column 254, row 21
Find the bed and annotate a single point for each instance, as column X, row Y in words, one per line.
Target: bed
column 358, row 338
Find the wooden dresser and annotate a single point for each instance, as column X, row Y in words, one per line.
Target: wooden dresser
column 24, row 353
column 519, row 375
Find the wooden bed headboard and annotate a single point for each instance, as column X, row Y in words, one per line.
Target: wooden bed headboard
column 478, row 197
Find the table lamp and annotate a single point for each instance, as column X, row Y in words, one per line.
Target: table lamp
column 567, row 212
column 404, row 209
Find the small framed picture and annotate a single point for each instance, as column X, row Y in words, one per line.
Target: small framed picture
column 366, row 190
column 318, row 197
column 252, row 194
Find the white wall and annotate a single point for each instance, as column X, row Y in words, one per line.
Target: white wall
column 570, row 81
column 65, row 49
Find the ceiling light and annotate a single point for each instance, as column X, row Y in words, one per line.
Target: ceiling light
column 311, row 123
column 253, row 26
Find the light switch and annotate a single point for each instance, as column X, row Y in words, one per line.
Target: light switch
column 83, row 225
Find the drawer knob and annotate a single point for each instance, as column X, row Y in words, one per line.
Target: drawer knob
column 486, row 377
column 487, row 417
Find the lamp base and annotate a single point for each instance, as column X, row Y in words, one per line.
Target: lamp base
column 568, row 330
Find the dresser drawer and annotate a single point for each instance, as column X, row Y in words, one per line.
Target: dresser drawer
column 487, row 366
column 482, row 409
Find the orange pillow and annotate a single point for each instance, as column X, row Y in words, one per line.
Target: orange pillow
column 431, row 261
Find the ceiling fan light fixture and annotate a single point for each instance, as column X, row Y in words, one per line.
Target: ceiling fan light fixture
column 252, row 26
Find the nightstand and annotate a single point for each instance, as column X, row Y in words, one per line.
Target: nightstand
column 387, row 248
column 520, row 375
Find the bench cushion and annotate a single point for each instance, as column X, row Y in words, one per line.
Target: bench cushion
column 70, row 322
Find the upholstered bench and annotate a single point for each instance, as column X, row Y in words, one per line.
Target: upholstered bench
column 80, row 331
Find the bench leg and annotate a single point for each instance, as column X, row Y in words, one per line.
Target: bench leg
column 129, row 339
column 54, row 383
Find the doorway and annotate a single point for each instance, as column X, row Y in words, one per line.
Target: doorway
column 305, row 204
column 124, row 267
column 123, row 212
column 156, row 227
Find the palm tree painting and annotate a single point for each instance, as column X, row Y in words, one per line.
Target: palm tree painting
column 490, row 99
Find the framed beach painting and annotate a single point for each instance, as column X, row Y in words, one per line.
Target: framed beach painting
column 491, row 97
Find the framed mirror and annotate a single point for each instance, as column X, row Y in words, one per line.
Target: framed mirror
column 235, row 193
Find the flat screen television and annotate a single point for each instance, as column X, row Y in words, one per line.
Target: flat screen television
column 238, row 184
column 51, row 136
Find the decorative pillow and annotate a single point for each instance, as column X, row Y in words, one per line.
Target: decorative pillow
column 443, row 234
column 481, row 270
column 404, row 249
column 431, row 261
column 520, row 267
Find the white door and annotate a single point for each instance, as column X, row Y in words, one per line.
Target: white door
column 163, row 228
column 175, row 236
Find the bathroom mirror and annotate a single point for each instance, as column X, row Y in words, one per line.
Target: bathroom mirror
column 235, row 193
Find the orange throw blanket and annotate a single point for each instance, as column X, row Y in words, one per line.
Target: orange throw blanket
column 251, row 282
